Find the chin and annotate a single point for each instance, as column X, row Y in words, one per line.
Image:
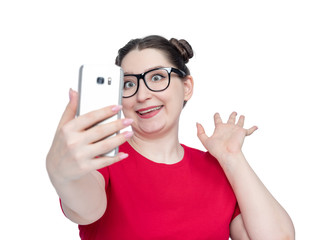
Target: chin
column 148, row 129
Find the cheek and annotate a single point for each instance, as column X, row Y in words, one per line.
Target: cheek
column 175, row 100
column 127, row 106
column 178, row 95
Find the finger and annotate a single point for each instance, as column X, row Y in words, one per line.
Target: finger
column 101, row 162
column 251, row 130
column 241, row 121
column 201, row 134
column 71, row 108
column 88, row 120
column 101, row 131
column 232, row 118
column 217, row 118
column 106, row 145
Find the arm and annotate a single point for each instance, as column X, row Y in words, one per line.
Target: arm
column 238, row 230
column 262, row 216
column 71, row 162
column 91, row 191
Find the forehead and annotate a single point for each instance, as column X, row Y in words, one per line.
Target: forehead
column 138, row 61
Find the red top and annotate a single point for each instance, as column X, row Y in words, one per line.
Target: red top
column 191, row 199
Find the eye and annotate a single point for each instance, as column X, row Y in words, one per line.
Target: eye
column 156, row 77
column 129, row 84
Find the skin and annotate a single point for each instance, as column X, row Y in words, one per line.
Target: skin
column 71, row 161
column 159, row 134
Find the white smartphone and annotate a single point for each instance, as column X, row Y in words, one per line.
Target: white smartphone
column 100, row 86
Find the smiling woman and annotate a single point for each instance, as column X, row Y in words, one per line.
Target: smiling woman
column 161, row 189
column 155, row 107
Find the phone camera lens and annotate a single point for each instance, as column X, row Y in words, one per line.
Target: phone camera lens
column 100, row 80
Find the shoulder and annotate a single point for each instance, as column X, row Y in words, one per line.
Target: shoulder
column 125, row 147
column 103, row 174
column 193, row 152
column 203, row 160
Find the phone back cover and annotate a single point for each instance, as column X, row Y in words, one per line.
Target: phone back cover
column 100, row 86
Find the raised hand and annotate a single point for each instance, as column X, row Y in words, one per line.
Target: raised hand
column 227, row 138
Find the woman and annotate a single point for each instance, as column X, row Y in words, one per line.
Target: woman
column 161, row 189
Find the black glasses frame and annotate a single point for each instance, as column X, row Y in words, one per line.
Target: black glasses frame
column 142, row 76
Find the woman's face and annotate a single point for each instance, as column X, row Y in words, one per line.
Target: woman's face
column 154, row 113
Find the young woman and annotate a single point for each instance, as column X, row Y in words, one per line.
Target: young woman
column 161, row 189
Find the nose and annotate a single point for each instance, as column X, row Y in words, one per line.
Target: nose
column 143, row 92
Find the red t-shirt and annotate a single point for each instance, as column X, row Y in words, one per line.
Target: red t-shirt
column 191, row 199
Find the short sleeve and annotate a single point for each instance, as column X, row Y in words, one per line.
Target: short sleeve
column 236, row 212
column 61, row 207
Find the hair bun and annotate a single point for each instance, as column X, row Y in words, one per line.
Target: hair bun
column 183, row 47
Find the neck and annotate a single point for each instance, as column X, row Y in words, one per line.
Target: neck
column 165, row 149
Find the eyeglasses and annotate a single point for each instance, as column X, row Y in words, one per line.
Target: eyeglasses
column 156, row 80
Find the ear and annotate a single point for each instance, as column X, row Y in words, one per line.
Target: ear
column 188, row 87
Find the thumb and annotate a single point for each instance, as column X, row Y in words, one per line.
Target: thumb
column 201, row 133
column 71, row 108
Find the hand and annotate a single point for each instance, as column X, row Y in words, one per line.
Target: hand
column 77, row 144
column 227, row 139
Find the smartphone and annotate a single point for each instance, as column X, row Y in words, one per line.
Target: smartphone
column 100, row 86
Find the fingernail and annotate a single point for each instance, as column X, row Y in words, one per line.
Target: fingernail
column 127, row 121
column 70, row 94
column 116, row 108
column 123, row 155
column 128, row 134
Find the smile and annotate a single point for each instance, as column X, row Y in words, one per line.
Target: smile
column 149, row 112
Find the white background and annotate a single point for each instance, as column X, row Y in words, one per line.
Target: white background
column 260, row 58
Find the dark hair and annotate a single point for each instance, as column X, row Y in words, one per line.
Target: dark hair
column 178, row 51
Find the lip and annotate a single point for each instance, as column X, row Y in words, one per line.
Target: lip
column 148, row 112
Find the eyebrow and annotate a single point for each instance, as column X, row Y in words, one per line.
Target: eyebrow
column 146, row 70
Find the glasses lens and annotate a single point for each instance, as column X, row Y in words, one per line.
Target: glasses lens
column 130, row 85
column 157, row 80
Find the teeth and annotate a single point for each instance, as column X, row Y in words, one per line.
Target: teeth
column 149, row 110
